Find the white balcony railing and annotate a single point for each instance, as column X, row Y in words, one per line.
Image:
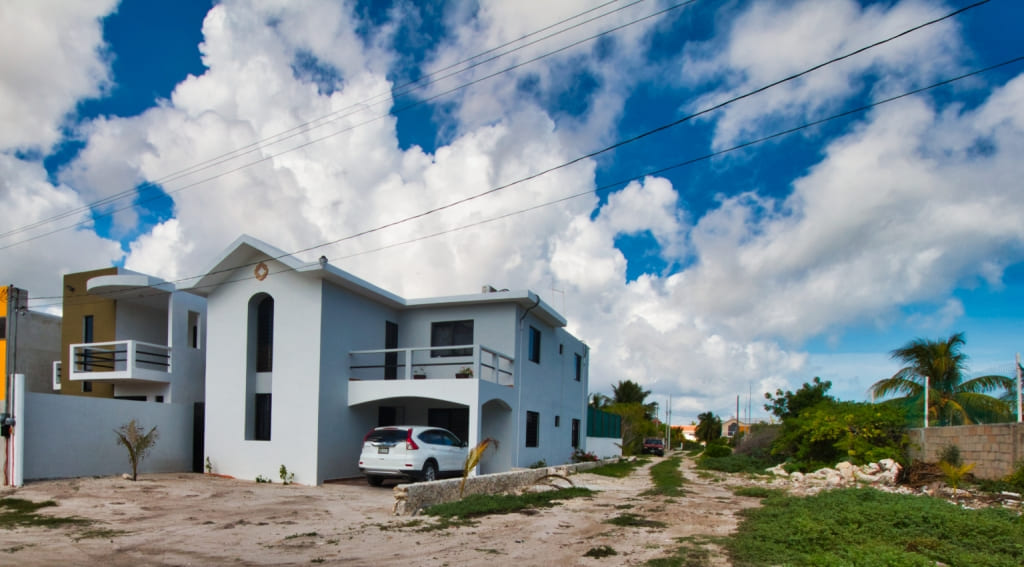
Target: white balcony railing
column 432, row 363
column 121, row 360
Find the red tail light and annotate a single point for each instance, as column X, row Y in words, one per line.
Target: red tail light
column 410, row 445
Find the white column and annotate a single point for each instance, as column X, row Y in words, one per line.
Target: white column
column 18, row 468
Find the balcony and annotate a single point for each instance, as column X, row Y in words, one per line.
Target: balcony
column 433, row 363
column 121, row 361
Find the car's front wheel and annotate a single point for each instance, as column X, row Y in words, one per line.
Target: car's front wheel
column 429, row 471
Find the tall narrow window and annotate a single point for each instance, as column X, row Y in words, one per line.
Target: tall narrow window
column 534, row 345
column 262, row 426
column 390, row 358
column 579, row 367
column 532, row 425
column 575, row 434
column 193, row 329
column 265, row 335
column 87, row 337
column 259, row 378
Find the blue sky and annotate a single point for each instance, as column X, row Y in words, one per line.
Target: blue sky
column 812, row 254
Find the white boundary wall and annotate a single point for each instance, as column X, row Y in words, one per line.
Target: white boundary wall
column 70, row 436
column 605, row 447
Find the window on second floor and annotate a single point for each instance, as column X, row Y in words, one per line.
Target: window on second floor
column 451, row 333
column 534, row 353
column 579, row 367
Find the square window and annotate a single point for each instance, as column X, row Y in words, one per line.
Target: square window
column 451, row 333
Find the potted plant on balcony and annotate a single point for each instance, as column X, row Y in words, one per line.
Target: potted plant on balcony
column 464, row 372
column 419, row 373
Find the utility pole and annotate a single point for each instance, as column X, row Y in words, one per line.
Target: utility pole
column 1019, row 399
column 927, row 385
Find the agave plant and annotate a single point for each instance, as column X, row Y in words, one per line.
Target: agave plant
column 473, row 459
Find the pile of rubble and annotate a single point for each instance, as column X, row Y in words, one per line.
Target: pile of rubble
column 882, row 473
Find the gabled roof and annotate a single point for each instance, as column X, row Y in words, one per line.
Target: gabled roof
column 247, row 251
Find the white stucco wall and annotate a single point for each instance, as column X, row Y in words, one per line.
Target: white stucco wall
column 38, row 345
column 296, row 376
column 350, row 323
column 550, row 389
column 188, row 365
column 71, row 436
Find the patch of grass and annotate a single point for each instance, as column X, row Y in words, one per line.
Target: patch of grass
column 307, row 534
column 757, row 491
column 99, row 533
column 634, row 521
column 600, row 551
column 16, row 512
column 444, row 523
column 667, row 477
column 488, row 550
column 619, row 469
column 477, row 505
column 692, row 553
column 736, row 464
column 872, row 528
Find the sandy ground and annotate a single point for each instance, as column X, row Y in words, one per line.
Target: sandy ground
column 191, row 519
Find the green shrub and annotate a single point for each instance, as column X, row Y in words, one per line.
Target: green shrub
column 950, row 454
column 736, row 463
column 832, row 431
column 716, row 450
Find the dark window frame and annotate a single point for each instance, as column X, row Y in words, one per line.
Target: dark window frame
column 451, row 333
column 532, row 428
column 534, row 345
column 579, row 367
column 576, row 433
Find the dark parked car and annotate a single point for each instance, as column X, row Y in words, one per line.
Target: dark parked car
column 654, row 446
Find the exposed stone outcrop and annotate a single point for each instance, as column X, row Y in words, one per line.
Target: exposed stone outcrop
column 884, row 473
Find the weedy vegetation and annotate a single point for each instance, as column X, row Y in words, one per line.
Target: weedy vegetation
column 476, row 505
column 869, row 527
column 18, row 512
column 668, row 478
column 619, row 469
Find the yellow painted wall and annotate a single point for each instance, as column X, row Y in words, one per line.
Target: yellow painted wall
column 78, row 303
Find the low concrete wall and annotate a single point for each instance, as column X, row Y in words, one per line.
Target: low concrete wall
column 993, row 448
column 411, row 498
column 70, row 436
column 605, row 447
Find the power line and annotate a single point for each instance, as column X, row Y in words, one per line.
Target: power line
column 320, row 122
column 612, row 185
column 563, row 165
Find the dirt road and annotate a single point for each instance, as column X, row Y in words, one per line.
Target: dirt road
column 186, row 519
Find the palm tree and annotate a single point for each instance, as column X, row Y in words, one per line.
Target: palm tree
column 952, row 400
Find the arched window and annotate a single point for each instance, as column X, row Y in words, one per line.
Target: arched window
column 265, row 334
column 259, row 380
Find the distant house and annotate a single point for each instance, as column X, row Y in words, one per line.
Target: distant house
column 130, row 336
column 733, row 426
column 29, row 341
column 304, row 358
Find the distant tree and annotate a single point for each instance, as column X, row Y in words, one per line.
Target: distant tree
column 830, row 431
column 137, row 442
column 789, row 404
column 599, row 401
column 629, row 392
column 709, row 427
column 635, row 426
column 951, row 399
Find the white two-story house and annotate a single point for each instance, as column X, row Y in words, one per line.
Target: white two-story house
column 304, row 358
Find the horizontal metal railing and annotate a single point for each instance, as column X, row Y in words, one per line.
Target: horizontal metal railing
column 426, row 363
column 119, row 359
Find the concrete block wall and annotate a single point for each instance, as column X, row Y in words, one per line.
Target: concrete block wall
column 993, row 448
column 411, row 498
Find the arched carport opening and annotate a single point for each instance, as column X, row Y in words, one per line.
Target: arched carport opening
column 497, row 423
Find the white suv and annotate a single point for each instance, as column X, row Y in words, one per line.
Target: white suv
column 415, row 452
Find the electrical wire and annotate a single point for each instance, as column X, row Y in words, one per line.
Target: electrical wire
column 316, row 123
column 595, row 153
column 608, row 186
